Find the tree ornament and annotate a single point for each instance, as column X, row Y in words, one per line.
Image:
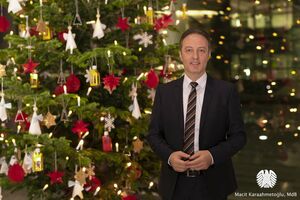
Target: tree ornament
column 123, row 24
column 92, row 184
column 137, row 145
column 136, row 113
column 3, row 106
column 80, row 127
column 99, row 27
column 151, row 94
column 163, row 22
column 109, row 122
column 2, row 70
column 35, row 128
column 49, row 120
column 81, row 176
column 14, row 6
column 69, row 37
column 111, row 82
column 56, row 177
column 13, row 160
column 34, row 80
column 4, row 24
column 4, row 166
column 41, row 26
column 16, row 173
column 77, row 19
column 77, row 190
column 94, row 76
column 152, row 79
column 73, row 83
column 37, row 158
column 90, row 171
column 144, row 38
column 27, row 163
column 184, row 11
column 150, row 15
column 30, row 66
column 106, row 142
column 129, row 197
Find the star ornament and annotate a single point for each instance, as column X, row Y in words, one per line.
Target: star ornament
column 123, row 24
column 55, row 177
column 80, row 127
column 81, row 176
column 109, row 122
column 111, row 82
column 30, row 66
column 137, row 145
column 163, row 22
column 49, row 120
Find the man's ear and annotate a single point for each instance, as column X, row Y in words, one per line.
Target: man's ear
column 180, row 56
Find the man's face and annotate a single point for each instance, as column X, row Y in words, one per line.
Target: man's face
column 194, row 55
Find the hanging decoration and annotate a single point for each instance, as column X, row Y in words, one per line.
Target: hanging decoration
column 111, row 82
column 55, row 176
column 4, row 166
column 72, row 83
column 99, row 27
column 109, row 122
column 16, row 173
column 106, row 142
column 4, row 23
column 123, row 24
column 163, row 22
column 14, row 6
column 27, row 162
column 80, row 127
column 41, row 26
column 35, row 128
column 152, row 79
column 77, row 19
column 2, row 70
column 144, row 38
column 30, row 66
column 34, row 80
column 69, row 37
column 3, row 105
column 134, row 108
column 77, row 190
column 150, row 14
column 137, row 145
column 49, row 120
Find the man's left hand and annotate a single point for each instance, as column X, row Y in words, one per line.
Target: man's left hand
column 200, row 160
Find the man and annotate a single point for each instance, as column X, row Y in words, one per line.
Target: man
column 196, row 127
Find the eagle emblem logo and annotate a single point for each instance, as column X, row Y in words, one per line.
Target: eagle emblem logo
column 266, row 178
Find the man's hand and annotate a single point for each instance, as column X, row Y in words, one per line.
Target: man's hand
column 178, row 161
column 200, row 160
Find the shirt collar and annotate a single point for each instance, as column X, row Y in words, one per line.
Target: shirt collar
column 201, row 81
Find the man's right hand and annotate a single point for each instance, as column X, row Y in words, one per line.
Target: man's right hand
column 178, row 161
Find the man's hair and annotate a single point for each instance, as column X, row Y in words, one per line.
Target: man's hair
column 195, row 31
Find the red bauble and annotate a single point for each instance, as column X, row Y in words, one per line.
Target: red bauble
column 152, row 79
column 59, row 90
column 33, row 31
column 129, row 197
column 80, row 127
column 123, row 24
column 16, row 173
column 4, row 24
column 55, row 177
column 111, row 82
column 163, row 22
column 30, row 66
column 73, row 84
column 92, row 184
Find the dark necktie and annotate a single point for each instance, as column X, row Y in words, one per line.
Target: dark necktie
column 189, row 131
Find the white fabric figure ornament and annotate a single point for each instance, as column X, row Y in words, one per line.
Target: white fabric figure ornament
column 144, row 38
column 88, row 75
column 99, row 27
column 136, row 113
column 4, row 166
column 35, row 128
column 13, row 160
column 3, row 106
column 27, row 163
column 14, row 6
column 69, row 37
column 77, row 190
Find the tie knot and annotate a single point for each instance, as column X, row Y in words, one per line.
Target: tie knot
column 194, row 84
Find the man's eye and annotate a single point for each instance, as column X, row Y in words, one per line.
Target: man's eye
column 188, row 50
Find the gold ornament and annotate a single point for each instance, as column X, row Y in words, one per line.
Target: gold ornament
column 184, row 11
column 49, row 120
column 137, row 145
column 2, row 71
column 149, row 15
column 37, row 159
column 34, row 80
column 94, row 76
column 41, row 26
column 81, row 176
column 90, row 171
column 47, row 35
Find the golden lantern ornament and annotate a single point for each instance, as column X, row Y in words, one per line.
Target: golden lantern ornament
column 34, row 80
column 184, row 11
column 47, row 34
column 37, row 159
column 149, row 15
column 94, row 77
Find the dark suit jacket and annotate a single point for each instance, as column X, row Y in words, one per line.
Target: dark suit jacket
column 221, row 132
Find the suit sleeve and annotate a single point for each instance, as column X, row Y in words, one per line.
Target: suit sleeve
column 155, row 135
column 236, row 136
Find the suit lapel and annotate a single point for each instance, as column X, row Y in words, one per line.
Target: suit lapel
column 206, row 101
column 179, row 105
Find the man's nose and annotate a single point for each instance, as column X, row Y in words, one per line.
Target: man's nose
column 195, row 55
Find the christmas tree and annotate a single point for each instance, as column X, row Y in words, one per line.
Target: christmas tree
column 77, row 83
